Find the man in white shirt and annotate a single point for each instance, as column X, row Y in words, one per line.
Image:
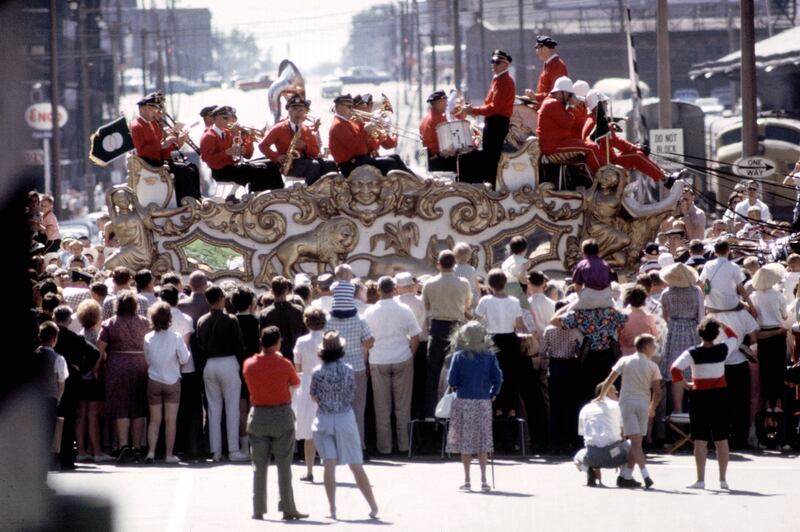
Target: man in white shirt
column 396, row 334
column 542, row 307
column 406, row 287
column 723, row 283
column 752, row 201
column 325, row 299
column 600, row 424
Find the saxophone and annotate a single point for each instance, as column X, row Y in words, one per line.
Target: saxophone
column 292, row 153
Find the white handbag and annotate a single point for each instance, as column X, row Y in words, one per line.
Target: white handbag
column 445, row 406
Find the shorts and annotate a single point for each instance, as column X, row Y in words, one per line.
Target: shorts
column 708, row 414
column 336, row 437
column 158, row 392
column 635, row 416
column 611, row 456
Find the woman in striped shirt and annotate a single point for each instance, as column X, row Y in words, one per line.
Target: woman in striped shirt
column 708, row 408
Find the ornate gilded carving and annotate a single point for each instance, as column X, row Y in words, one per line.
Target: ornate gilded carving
column 537, row 231
column 140, row 172
column 191, row 260
column 520, row 168
column 391, row 264
column 400, row 238
column 134, row 227
column 326, row 245
column 535, row 197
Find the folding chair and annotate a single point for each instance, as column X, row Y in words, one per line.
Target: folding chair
column 437, row 422
column 683, row 435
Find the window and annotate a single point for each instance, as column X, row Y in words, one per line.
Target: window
column 782, row 133
column 730, row 137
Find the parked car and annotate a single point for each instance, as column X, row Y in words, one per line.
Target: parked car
column 262, row 82
column 331, row 87
column 213, row 79
column 778, row 141
column 686, row 95
column 364, row 74
column 710, row 105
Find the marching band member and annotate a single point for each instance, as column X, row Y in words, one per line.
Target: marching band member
column 148, row 139
column 350, row 144
column 437, row 162
column 217, row 149
column 206, row 113
column 554, row 68
column 618, row 150
column 580, row 88
column 498, row 107
column 554, row 128
column 308, row 164
column 364, row 103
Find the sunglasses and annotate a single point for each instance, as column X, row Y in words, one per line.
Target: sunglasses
column 752, row 189
column 496, row 61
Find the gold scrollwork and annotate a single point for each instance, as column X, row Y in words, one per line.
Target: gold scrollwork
column 549, row 233
column 214, row 248
column 535, row 197
column 161, row 173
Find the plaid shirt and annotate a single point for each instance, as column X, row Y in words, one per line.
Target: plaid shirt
column 354, row 331
column 73, row 296
column 110, row 306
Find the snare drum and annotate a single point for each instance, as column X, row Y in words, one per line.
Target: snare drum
column 454, row 137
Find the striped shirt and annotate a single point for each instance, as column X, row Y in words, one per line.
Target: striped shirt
column 343, row 292
column 707, row 363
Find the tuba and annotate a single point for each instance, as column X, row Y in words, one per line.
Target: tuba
column 289, row 81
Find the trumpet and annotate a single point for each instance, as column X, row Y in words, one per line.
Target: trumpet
column 254, row 133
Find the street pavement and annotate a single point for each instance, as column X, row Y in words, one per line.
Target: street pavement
column 536, row 494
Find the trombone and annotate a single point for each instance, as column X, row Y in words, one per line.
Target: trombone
column 178, row 128
column 378, row 123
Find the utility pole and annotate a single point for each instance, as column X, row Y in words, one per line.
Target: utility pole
column 664, row 67
column 144, row 62
column 522, row 78
column 749, row 119
column 433, row 59
column 54, row 104
column 86, row 102
column 456, row 47
column 483, row 30
column 419, row 57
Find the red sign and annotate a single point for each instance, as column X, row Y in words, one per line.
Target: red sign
column 39, row 116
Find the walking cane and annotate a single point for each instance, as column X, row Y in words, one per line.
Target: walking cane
column 491, row 461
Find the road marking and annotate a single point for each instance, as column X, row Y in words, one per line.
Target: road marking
column 180, row 503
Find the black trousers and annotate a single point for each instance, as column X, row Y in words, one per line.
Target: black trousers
column 258, row 176
column 68, row 409
column 564, row 407
column 509, row 357
column 189, row 431
column 594, row 370
column 737, row 377
column 311, row 169
column 481, row 166
column 418, row 387
column 384, row 163
column 438, row 347
column 187, row 178
column 437, row 163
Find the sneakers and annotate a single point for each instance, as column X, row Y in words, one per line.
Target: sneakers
column 172, row 459
column 699, row 485
column 623, row 482
column 648, row 483
column 99, row 458
column 723, row 485
column 239, row 456
column 465, row 487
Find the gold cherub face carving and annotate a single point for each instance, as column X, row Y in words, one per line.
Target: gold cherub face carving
column 365, row 189
column 607, row 179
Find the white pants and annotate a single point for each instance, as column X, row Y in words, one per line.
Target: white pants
column 223, row 385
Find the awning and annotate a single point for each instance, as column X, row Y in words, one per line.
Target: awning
column 779, row 51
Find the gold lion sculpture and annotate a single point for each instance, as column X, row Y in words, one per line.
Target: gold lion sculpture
column 328, row 244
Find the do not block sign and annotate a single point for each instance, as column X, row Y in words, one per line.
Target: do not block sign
column 668, row 144
column 754, row 167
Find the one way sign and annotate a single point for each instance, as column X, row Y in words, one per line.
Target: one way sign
column 754, row 167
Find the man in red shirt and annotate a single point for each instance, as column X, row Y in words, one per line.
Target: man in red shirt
column 150, row 144
column 275, row 146
column 615, row 149
column 351, row 145
column 437, row 162
column 222, row 141
column 556, row 120
column 271, row 379
column 498, row 106
column 554, row 68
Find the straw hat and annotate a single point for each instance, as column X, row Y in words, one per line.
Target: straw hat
column 768, row 276
column 678, row 275
column 331, row 341
column 473, row 337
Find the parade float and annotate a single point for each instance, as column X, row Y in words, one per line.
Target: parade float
column 380, row 224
